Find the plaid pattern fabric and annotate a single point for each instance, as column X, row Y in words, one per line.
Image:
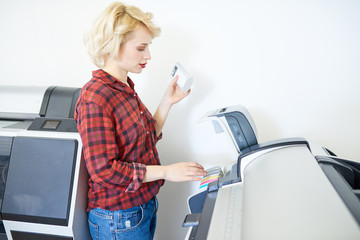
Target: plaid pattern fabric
column 118, row 135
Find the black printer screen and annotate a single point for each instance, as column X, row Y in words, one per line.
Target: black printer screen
column 51, row 124
column 39, row 180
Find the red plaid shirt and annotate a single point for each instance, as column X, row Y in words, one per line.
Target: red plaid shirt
column 118, row 135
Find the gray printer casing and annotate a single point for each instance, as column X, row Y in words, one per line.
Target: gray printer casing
column 283, row 189
column 44, row 177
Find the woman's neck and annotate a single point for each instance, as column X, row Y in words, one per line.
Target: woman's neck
column 116, row 72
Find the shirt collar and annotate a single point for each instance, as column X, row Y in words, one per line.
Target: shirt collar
column 106, row 77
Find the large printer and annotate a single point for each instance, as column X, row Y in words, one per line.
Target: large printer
column 283, row 189
column 43, row 184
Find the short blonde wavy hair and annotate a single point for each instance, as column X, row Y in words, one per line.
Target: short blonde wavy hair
column 112, row 28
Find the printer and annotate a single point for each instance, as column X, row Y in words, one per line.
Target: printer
column 43, row 184
column 282, row 189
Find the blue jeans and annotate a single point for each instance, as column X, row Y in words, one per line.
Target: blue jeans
column 134, row 223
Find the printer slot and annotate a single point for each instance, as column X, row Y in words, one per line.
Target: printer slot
column 345, row 178
column 350, row 171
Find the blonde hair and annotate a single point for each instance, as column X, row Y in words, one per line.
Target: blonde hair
column 112, row 28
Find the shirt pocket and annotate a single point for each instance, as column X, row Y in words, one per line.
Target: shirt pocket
column 133, row 129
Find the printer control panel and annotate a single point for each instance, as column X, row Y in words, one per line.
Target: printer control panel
column 53, row 124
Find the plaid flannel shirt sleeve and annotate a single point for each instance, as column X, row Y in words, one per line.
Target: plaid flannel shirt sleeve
column 101, row 151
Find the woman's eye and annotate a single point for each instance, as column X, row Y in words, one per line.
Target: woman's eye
column 141, row 49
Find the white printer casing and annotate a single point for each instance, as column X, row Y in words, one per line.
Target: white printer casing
column 283, row 189
column 43, row 173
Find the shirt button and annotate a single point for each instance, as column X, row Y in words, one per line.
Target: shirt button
column 152, row 152
column 134, row 94
column 147, row 132
column 141, row 112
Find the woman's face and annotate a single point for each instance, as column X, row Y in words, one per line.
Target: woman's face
column 134, row 53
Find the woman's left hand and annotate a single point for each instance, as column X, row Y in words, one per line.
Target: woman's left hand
column 173, row 93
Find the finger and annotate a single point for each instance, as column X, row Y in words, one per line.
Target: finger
column 197, row 169
column 196, row 172
column 195, row 164
column 176, row 78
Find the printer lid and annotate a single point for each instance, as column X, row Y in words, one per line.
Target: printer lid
column 21, row 102
column 30, row 102
column 237, row 122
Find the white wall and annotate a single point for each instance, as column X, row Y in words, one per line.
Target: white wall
column 294, row 64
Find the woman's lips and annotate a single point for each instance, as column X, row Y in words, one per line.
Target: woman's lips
column 143, row 65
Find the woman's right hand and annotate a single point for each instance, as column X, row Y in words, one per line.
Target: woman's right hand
column 184, row 171
column 178, row 172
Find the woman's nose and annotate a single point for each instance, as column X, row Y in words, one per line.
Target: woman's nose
column 147, row 55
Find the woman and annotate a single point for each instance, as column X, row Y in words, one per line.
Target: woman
column 118, row 132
